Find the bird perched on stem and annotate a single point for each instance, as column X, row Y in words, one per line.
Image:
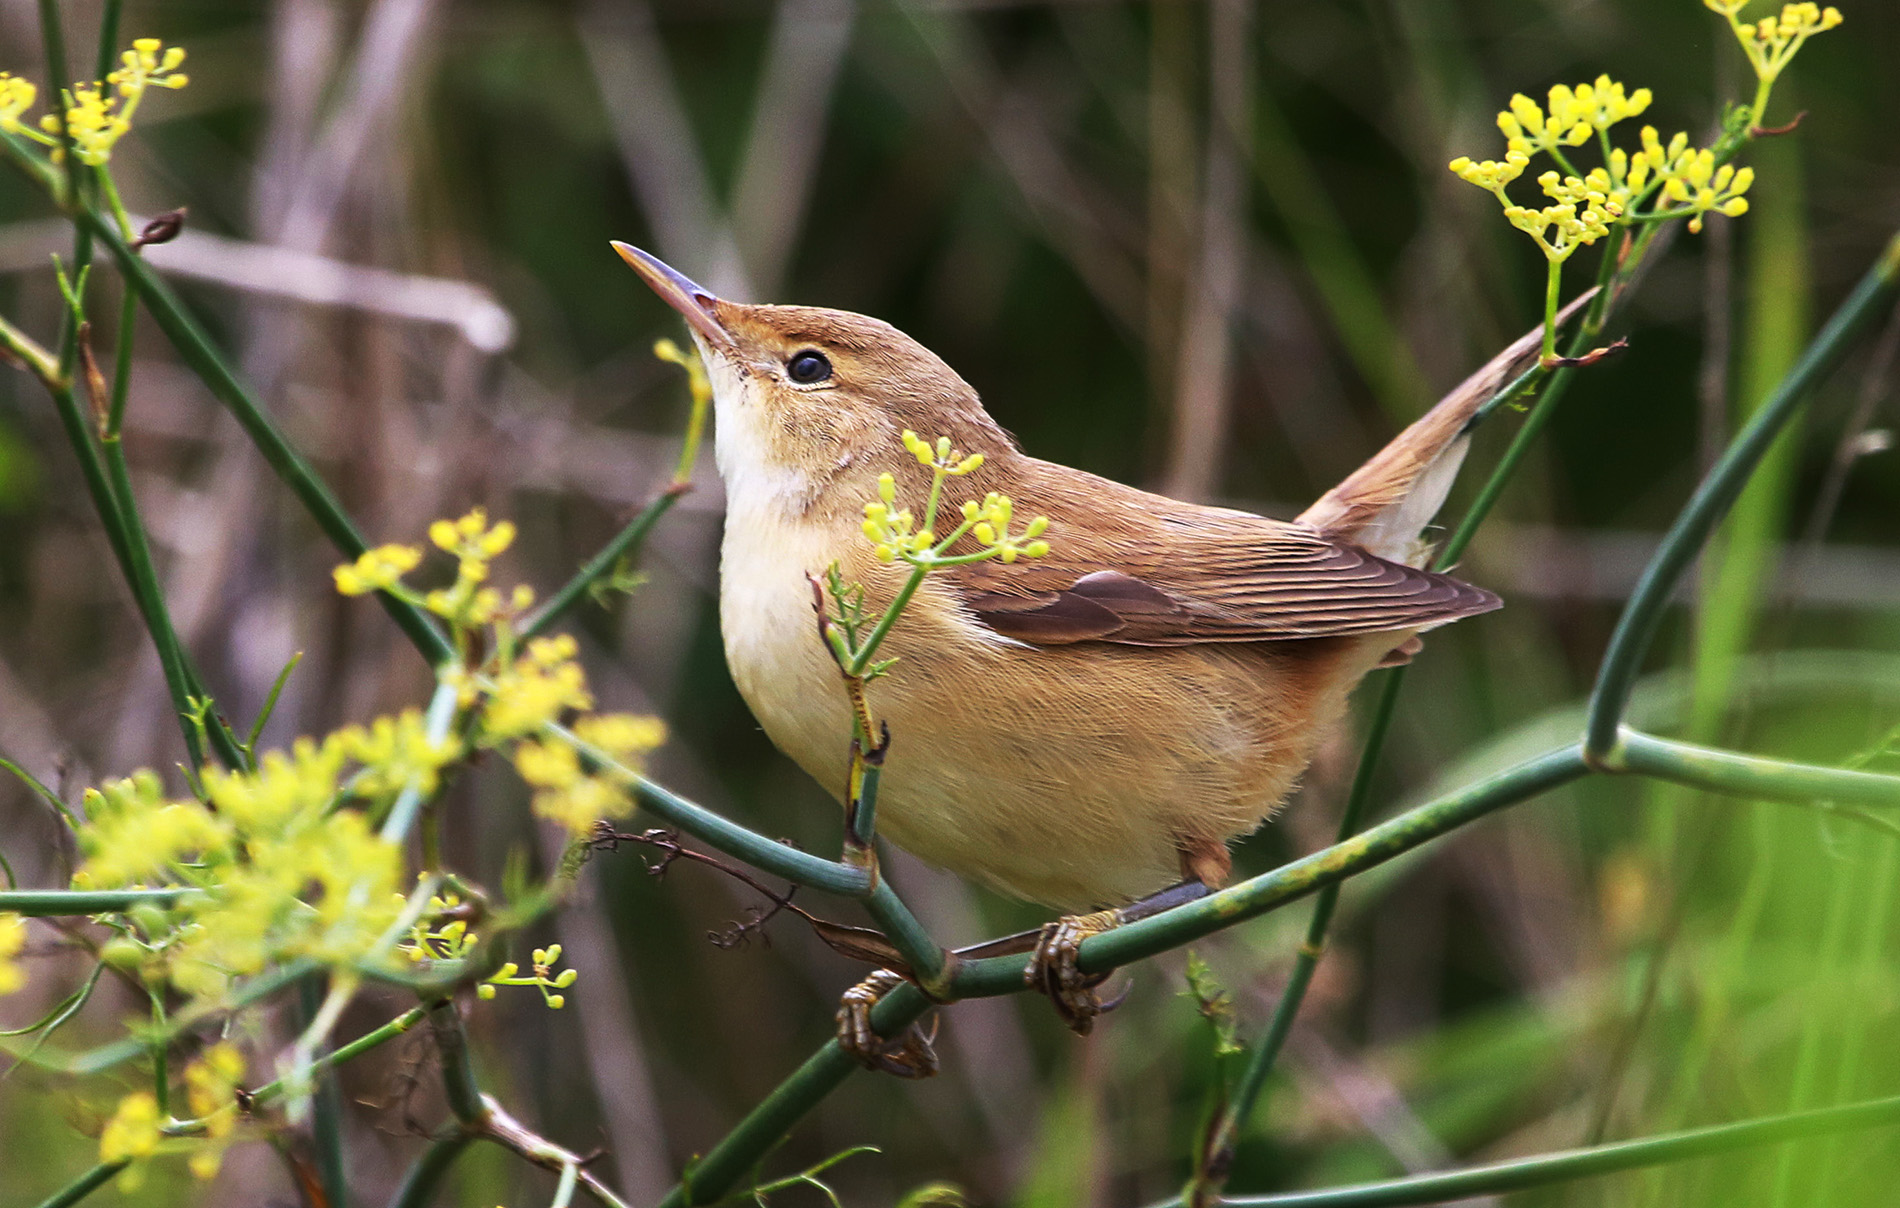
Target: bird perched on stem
column 1085, row 728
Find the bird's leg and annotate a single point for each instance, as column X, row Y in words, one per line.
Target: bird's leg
column 911, row 1057
column 1052, row 963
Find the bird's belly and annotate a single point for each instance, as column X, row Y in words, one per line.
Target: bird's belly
column 1070, row 776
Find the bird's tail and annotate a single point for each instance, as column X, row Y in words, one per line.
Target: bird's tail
column 1384, row 505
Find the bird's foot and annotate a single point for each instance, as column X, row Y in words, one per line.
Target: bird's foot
column 1052, row 969
column 912, row 1056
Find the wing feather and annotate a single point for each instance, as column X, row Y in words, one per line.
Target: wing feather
column 1142, row 570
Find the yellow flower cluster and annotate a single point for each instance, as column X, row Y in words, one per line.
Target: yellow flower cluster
column 543, row 977
column 211, row 1085
column 989, row 524
column 12, row 939
column 282, row 871
column 1772, row 42
column 894, row 533
column 131, row 1134
column 1685, row 180
column 1574, row 116
column 465, row 604
column 941, row 456
column 1585, row 206
column 149, row 64
column 535, row 689
column 1697, row 186
column 567, row 793
column 475, row 544
column 514, row 696
column 1581, row 215
column 16, row 97
column 378, row 569
column 448, row 941
column 92, row 123
column 93, row 117
column 397, row 753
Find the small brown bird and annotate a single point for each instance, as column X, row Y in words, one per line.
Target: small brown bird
column 1081, row 729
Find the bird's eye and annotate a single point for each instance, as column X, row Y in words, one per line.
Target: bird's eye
column 808, row 367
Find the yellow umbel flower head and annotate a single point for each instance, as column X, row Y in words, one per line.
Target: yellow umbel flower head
column 12, row 939
column 16, row 97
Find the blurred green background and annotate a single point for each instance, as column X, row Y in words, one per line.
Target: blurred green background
column 1207, row 247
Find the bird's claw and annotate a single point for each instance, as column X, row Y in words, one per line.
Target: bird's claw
column 1052, row 969
column 913, row 1056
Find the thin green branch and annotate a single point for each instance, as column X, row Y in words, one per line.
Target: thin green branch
column 458, row 1070
column 625, row 544
column 106, row 1056
column 443, row 706
column 326, row 1096
column 399, row 1026
column 1569, row 1165
column 826, row 1069
column 1752, row 776
column 55, row 903
column 1218, row 911
column 418, row 1186
column 734, row 1157
column 83, row 1186
column 1208, row 1181
column 180, row 682
column 1642, row 616
column 777, row 858
column 197, row 350
column 923, row 953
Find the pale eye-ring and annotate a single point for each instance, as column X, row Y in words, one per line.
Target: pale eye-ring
column 807, row 367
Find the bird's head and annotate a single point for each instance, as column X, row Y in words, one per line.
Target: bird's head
column 806, row 398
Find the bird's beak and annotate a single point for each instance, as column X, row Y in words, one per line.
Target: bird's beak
column 694, row 302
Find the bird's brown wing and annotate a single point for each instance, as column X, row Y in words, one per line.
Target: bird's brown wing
column 1176, row 575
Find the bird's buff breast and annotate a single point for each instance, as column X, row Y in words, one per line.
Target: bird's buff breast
column 1069, row 776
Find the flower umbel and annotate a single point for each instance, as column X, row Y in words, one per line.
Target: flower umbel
column 16, row 97
column 543, row 976
column 12, row 939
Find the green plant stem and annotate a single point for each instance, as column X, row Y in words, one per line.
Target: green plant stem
column 108, row 38
column 39, row 362
column 443, row 706
column 55, row 903
column 1184, row 924
column 1547, row 1169
column 1220, row 1145
column 1553, row 288
column 1750, row 776
column 271, row 1091
column 53, row 35
column 727, row 836
column 83, row 1186
column 1636, row 628
column 861, row 657
column 418, row 1186
column 326, row 1100
column 180, row 681
column 458, row 1070
column 923, row 953
column 106, row 1056
column 625, row 544
column 734, row 1157
column 121, row 365
column 197, row 350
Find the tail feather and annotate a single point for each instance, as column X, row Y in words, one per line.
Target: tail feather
column 1384, row 505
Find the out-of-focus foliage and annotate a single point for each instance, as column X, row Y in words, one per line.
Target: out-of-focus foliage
column 1048, row 195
